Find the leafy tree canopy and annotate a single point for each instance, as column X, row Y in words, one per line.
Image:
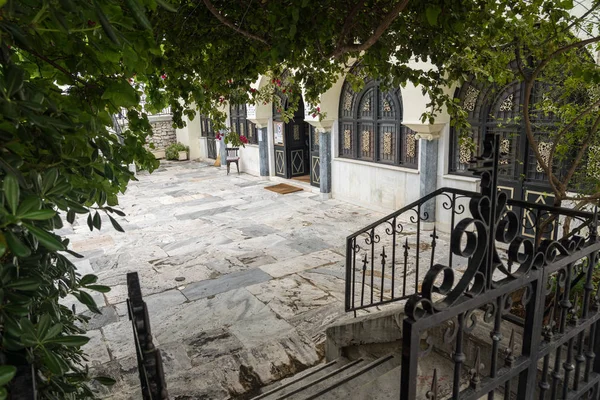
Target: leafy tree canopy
column 68, row 66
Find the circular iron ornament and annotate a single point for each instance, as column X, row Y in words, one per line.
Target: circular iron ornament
column 450, row 204
column 450, row 332
column 470, row 321
column 393, row 228
column 490, row 312
column 414, row 218
column 527, row 295
column 429, row 345
column 372, row 238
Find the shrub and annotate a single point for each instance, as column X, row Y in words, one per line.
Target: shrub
column 172, row 152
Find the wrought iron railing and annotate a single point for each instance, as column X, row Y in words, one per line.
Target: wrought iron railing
column 149, row 359
column 513, row 300
column 387, row 260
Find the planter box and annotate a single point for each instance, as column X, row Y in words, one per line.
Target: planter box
column 159, row 154
column 183, row 155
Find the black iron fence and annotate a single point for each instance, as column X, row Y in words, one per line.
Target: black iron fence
column 149, row 359
column 510, row 296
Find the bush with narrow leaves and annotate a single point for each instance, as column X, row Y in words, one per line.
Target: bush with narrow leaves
column 65, row 69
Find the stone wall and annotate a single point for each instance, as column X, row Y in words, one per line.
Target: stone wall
column 163, row 134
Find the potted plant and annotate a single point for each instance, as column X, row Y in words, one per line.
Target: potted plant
column 177, row 151
column 232, row 139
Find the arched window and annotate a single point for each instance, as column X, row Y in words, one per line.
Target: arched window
column 371, row 127
column 499, row 111
column 240, row 125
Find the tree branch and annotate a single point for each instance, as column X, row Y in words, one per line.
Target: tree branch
column 380, row 30
column 230, row 24
column 347, row 22
column 565, row 129
column 582, row 151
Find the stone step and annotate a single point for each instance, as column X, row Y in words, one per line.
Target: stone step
column 342, row 384
column 299, row 380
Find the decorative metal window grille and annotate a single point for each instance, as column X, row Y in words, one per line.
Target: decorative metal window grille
column 387, row 143
column 347, row 139
column 504, row 150
column 465, row 154
column 386, row 106
column 366, row 142
column 471, row 98
column 507, row 104
column 544, row 150
column 371, row 127
column 411, row 145
column 367, row 105
column 348, row 102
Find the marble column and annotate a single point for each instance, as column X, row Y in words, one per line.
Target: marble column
column 428, row 173
column 263, row 151
column 223, row 153
column 325, row 162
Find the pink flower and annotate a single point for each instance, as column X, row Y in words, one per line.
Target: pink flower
column 243, row 139
column 163, row 76
column 314, row 115
column 318, row 109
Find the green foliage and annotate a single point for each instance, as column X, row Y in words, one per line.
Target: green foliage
column 66, row 67
column 172, row 151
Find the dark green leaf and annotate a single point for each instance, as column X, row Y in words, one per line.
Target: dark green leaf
column 122, row 94
column 106, row 25
column 54, row 362
column 115, row 224
column 53, row 331
column 30, row 203
column 97, row 221
column 88, row 279
column 71, row 341
column 7, row 372
column 49, row 179
column 86, row 299
column 11, row 191
column 164, row 4
column 71, row 216
column 43, row 325
column 47, row 239
column 98, row 288
column 432, row 13
column 14, row 79
column 16, row 245
column 39, row 215
column 105, row 380
column 139, row 14
column 26, row 284
column 90, row 223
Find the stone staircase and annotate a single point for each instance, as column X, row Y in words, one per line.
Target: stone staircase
column 364, row 361
column 337, row 379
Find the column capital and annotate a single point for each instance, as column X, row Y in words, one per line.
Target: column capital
column 425, row 131
column 260, row 122
column 322, row 126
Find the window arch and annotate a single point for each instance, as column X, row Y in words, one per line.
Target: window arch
column 370, row 127
column 240, row 124
column 493, row 111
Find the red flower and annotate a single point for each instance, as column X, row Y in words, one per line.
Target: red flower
column 91, row 23
column 283, row 91
column 252, row 90
column 318, row 109
column 243, row 139
column 314, row 115
column 163, row 76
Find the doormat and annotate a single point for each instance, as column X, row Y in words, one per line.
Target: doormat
column 282, row 188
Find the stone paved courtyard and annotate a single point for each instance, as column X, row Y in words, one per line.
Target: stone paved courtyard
column 240, row 281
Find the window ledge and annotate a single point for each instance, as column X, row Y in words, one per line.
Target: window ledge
column 461, row 178
column 377, row 165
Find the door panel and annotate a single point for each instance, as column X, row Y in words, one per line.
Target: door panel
column 315, row 160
